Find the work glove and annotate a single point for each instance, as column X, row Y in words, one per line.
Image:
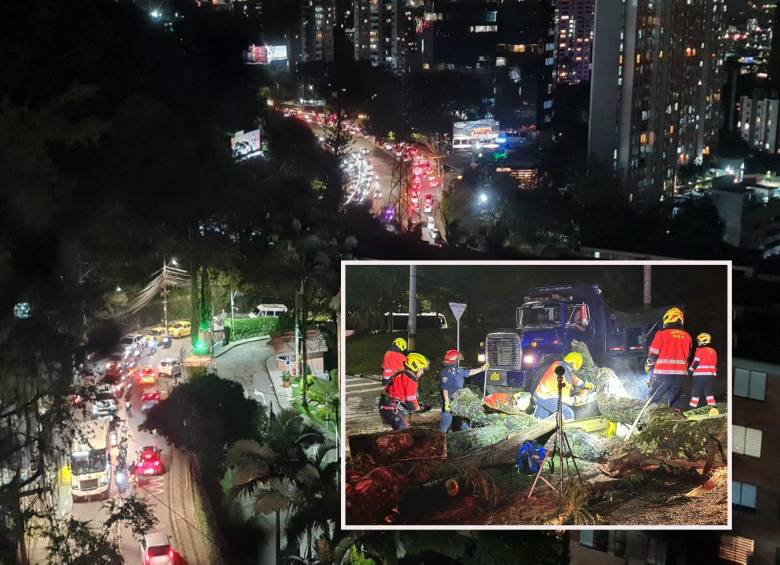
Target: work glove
column 424, row 408
column 648, row 367
column 485, row 367
column 589, row 386
column 446, row 406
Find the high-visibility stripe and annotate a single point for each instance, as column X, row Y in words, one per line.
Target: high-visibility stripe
column 694, row 401
column 411, row 397
column 711, row 400
column 669, row 372
column 671, row 361
column 654, row 351
column 706, row 366
column 696, row 359
column 704, row 373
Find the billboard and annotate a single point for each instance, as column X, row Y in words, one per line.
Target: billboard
column 265, row 54
column 245, row 144
column 474, row 134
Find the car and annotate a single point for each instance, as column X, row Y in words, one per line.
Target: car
column 428, row 203
column 130, row 344
column 147, row 376
column 150, row 400
column 104, row 405
column 169, row 367
column 156, row 549
column 157, row 335
column 180, row 328
column 150, row 461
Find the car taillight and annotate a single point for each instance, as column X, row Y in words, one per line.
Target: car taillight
column 156, row 463
column 170, row 554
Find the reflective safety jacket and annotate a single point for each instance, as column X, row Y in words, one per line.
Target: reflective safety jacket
column 548, row 384
column 392, row 363
column 402, row 389
column 669, row 352
column 705, row 362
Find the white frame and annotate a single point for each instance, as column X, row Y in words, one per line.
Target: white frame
column 470, row 527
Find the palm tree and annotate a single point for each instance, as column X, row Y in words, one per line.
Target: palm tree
column 270, row 470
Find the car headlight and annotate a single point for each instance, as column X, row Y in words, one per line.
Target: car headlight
column 103, row 480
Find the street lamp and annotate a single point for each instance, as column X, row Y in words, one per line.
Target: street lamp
column 483, row 198
column 119, row 288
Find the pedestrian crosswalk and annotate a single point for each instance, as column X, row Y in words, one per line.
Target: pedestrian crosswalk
column 154, row 485
column 361, row 385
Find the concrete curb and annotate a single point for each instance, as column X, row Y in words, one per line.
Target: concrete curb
column 233, row 344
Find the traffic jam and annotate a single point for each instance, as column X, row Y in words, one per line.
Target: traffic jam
column 109, row 456
column 423, row 186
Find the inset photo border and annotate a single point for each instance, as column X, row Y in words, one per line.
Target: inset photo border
column 535, row 395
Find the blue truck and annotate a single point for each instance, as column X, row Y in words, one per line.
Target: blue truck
column 547, row 322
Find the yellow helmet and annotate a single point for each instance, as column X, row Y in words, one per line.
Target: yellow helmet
column 704, row 339
column 574, row 360
column 416, row 361
column 674, row 315
column 400, row 343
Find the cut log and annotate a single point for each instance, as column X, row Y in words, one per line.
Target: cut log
column 584, row 445
column 393, row 447
column 461, row 443
column 371, row 498
column 505, row 452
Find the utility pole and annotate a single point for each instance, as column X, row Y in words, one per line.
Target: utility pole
column 165, row 292
column 647, row 294
column 412, row 307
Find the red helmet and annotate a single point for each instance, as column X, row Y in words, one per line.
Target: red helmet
column 452, row 356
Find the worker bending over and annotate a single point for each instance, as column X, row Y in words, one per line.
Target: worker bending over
column 704, row 370
column 452, row 379
column 546, row 392
column 394, row 359
column 668, row 358
column 399, row 398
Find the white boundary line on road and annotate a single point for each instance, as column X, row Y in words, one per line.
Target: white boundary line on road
column 532, row 263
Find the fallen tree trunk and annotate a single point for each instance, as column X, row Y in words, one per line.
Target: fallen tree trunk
column 504, row 452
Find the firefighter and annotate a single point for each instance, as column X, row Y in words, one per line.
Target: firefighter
column 546, row 392
column 399, row 398
column 667, row 358
column 452, row 379
column 704, row 371
column 394, row 359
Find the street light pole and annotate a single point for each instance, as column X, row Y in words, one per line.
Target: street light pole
column 165, row 293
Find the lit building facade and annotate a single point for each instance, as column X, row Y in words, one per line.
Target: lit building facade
column 389, row 33
column 574, row 37
column 655, row 90
column 318, row 18
column 758, row 119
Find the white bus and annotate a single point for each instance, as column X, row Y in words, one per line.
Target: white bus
column 90, row 460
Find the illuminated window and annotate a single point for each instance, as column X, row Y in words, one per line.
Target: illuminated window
column 746, row 441
column 744, row 495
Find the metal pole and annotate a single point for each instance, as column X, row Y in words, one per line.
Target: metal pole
column 165, row 293
column 647, row 295
column 232, row 309
column 457, row 338
column 412, row 307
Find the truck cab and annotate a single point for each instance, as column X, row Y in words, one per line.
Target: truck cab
column 547, row 322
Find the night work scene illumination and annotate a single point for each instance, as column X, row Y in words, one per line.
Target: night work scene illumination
column 537, row 395
column 283, row 281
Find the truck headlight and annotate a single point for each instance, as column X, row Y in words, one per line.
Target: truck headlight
column 103, row 481
column 528, row 359
column 481, row 357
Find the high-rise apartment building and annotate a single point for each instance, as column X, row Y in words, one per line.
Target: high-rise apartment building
column 318, row 18
column 758, row 120
column 655, row 89
column 574, row 38
column 388, row 32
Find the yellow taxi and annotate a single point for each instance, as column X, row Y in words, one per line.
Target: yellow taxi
column 156, row 335
column 180, row 328
column 147, row 376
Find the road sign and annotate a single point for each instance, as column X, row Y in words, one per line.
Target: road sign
column 457, row 309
